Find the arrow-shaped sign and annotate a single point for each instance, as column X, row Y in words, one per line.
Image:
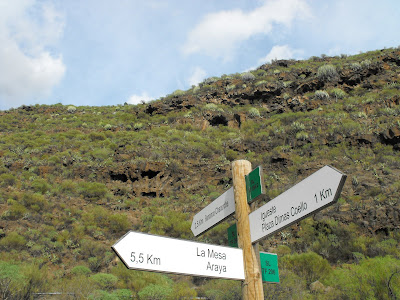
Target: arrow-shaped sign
column 161, row 254
column 215, row 212
column 314, row 193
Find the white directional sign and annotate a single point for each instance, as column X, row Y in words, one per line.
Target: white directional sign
column 215, row 212
column 161, row 254
column 314, row 193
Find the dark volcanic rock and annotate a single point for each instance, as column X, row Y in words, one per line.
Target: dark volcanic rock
column 391, row 137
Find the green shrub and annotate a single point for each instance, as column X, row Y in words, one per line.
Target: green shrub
column 261, row 82
column 35, row 202
column 254, row 112
column 122, row 294
column 302, row 136
column 7, row 180
column 366, row 64
column 11, row 280
column 259, row 72
column 118, row 223
column 155, row 292
column 178, row 93
column 321, row 95
column 291, row 286
column 40, row 186
column 16, row 211
column 68, row 187
column 159, row 225
column 297, row 126
column 92, row 190
column 230, row 87
column 12, row 241
column 97, row 136
column 213, row 107
column 196, row 89
column 286, row 96
column 115, row 295
column 80, row 270
column 385, row 247
column 209, row 81
column 247, row 76
column 231, row 155
column 338, row 93
column 283, row 250
column 222, row 290
column 137, row 126
column 94, row 263
column 356, row 67
column 367, row 280
column 309, row 266
column 71, row 109
column 182, row 290
column 101, row 154
column 327, row 73
column 105, row 281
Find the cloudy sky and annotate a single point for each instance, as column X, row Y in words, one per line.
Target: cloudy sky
column 108, row 52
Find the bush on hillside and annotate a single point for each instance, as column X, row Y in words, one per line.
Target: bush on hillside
column 327, row 73
column 321, row 95
column 247, row 76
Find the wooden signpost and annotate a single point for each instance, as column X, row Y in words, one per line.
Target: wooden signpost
column 252, row 287
column 161, row 254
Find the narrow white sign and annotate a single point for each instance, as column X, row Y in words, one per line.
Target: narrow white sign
column 215, row 212
column 314, row 193
column 161, row 254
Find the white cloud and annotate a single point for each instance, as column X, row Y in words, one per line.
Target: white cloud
column 197, row 76
column 28, row 31
column 219, row 33
column 281, row 52
column 136, row 99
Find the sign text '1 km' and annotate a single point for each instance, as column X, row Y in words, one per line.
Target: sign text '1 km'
column 314, row 193
column 162, row 254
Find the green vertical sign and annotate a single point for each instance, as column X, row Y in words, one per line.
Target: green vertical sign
column 269, row 267
column 254, row 184
column 232, row 236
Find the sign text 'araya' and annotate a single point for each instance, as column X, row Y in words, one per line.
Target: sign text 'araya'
column 211, row 254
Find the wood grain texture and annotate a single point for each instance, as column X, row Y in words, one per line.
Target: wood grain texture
column 252, row 285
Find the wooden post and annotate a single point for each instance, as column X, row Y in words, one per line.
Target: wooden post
column 252, row 286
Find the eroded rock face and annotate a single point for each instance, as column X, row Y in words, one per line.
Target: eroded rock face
column 391, row 137
column 392, row 58
column 148, row 179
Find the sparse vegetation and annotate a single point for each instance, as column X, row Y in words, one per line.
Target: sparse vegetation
column 327, row 73
column 74, row 180
column 321, row 95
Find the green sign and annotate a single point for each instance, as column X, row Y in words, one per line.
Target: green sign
column 254, row 184
column 232, row 236
column 269, row 267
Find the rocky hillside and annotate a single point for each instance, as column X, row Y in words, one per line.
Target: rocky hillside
column 75, row 179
